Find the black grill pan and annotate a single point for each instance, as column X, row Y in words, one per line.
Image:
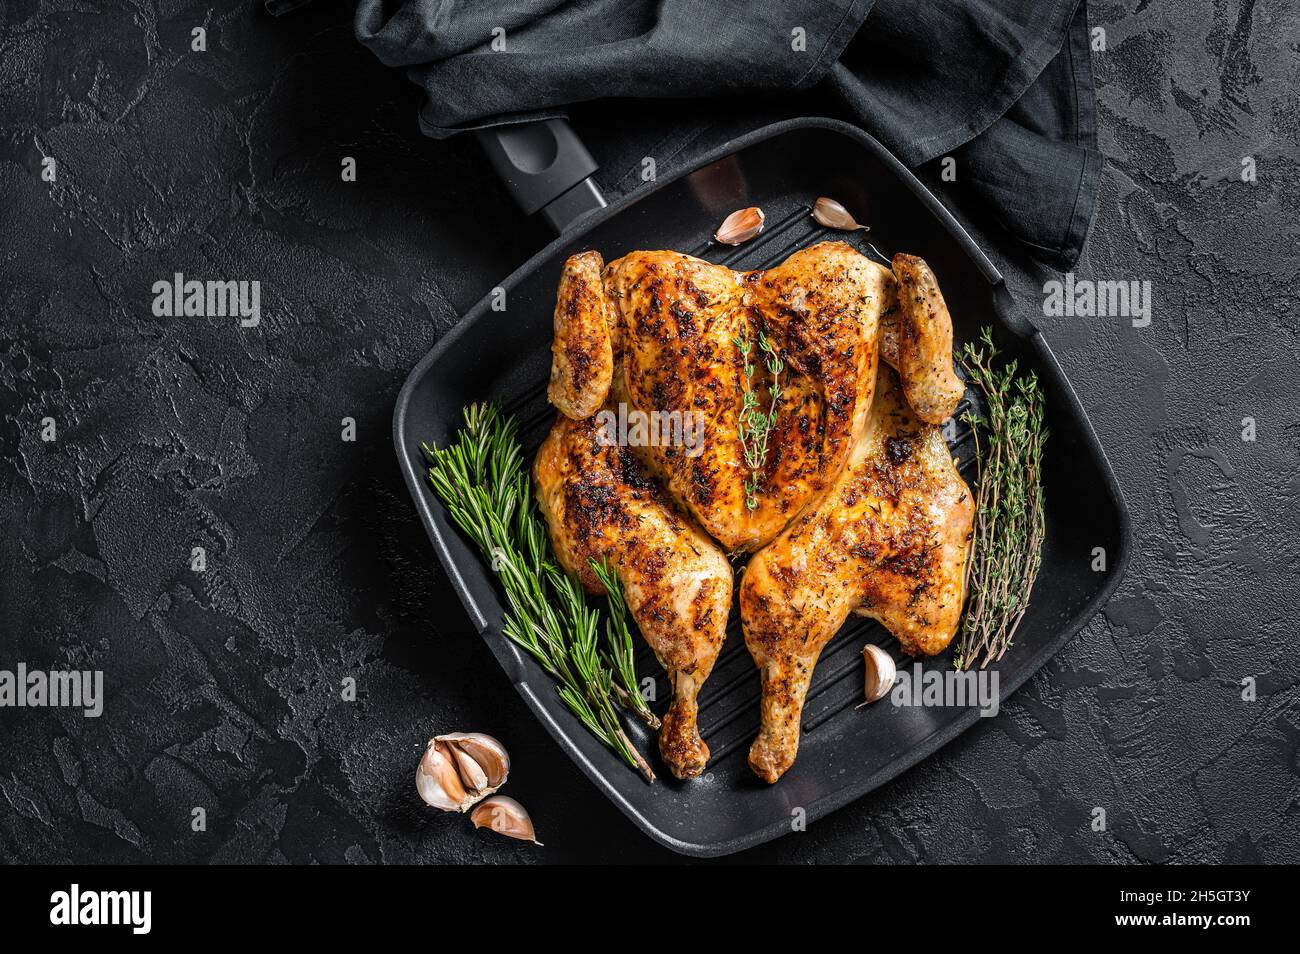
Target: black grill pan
column 845, row 752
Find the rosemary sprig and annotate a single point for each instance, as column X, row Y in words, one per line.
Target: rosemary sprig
column 483, row 482
column 619, row 640
column 753, row 424
column 1007, row 542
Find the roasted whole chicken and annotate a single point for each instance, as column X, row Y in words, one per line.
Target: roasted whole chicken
column 854, row 506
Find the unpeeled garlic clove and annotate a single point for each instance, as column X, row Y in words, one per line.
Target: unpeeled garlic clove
column 471, row 773
column 438, row 780
column 461, row 769
column 831, row 214
column 505, row 816
column 740, row 226
column 880, row 672
column 490, row 755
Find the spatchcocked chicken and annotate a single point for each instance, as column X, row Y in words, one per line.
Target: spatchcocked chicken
column 854, row 504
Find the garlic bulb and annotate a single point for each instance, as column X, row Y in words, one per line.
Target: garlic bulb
column 505, row 816
column 880, row 672
column 740, row 226
column 461, row 769
column 831, row 214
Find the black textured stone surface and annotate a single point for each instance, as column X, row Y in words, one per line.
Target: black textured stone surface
column 223, row 688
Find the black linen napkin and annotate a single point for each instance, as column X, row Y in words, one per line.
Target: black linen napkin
column 1003, row 87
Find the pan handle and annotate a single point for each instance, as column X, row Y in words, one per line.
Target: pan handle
column 546, row 168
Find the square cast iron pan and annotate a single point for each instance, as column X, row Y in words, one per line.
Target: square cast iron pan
column 845, row 753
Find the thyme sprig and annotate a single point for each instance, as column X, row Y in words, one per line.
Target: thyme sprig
column 483, row 481
column 1009, row 528
column 753, row 424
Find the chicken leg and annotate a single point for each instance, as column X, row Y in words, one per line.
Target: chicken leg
column 599, row 505
column 889, row 541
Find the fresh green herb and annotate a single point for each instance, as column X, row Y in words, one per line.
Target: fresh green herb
column 619, row 639
column 1009, row 528
column 483, row 482
column 753, row 424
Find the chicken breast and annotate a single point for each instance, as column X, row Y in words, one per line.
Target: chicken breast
column 678, row 323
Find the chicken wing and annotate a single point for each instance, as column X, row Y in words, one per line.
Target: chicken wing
column 916, row 340
column 582, row 353
column 889, row 541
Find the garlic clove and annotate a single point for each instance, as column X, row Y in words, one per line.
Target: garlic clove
column 471, row 773
column 740, row 226
column 505, row 816
column 881, row 672
column 438, row 780
column 831, row 214
column 490, row 755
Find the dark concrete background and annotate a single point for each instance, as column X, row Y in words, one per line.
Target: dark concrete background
column 223, row 687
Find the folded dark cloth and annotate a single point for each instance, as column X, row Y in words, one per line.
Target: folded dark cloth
column 1001, row 86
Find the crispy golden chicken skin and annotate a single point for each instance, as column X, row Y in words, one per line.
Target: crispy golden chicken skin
column 889, row 541
column 599, row 505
